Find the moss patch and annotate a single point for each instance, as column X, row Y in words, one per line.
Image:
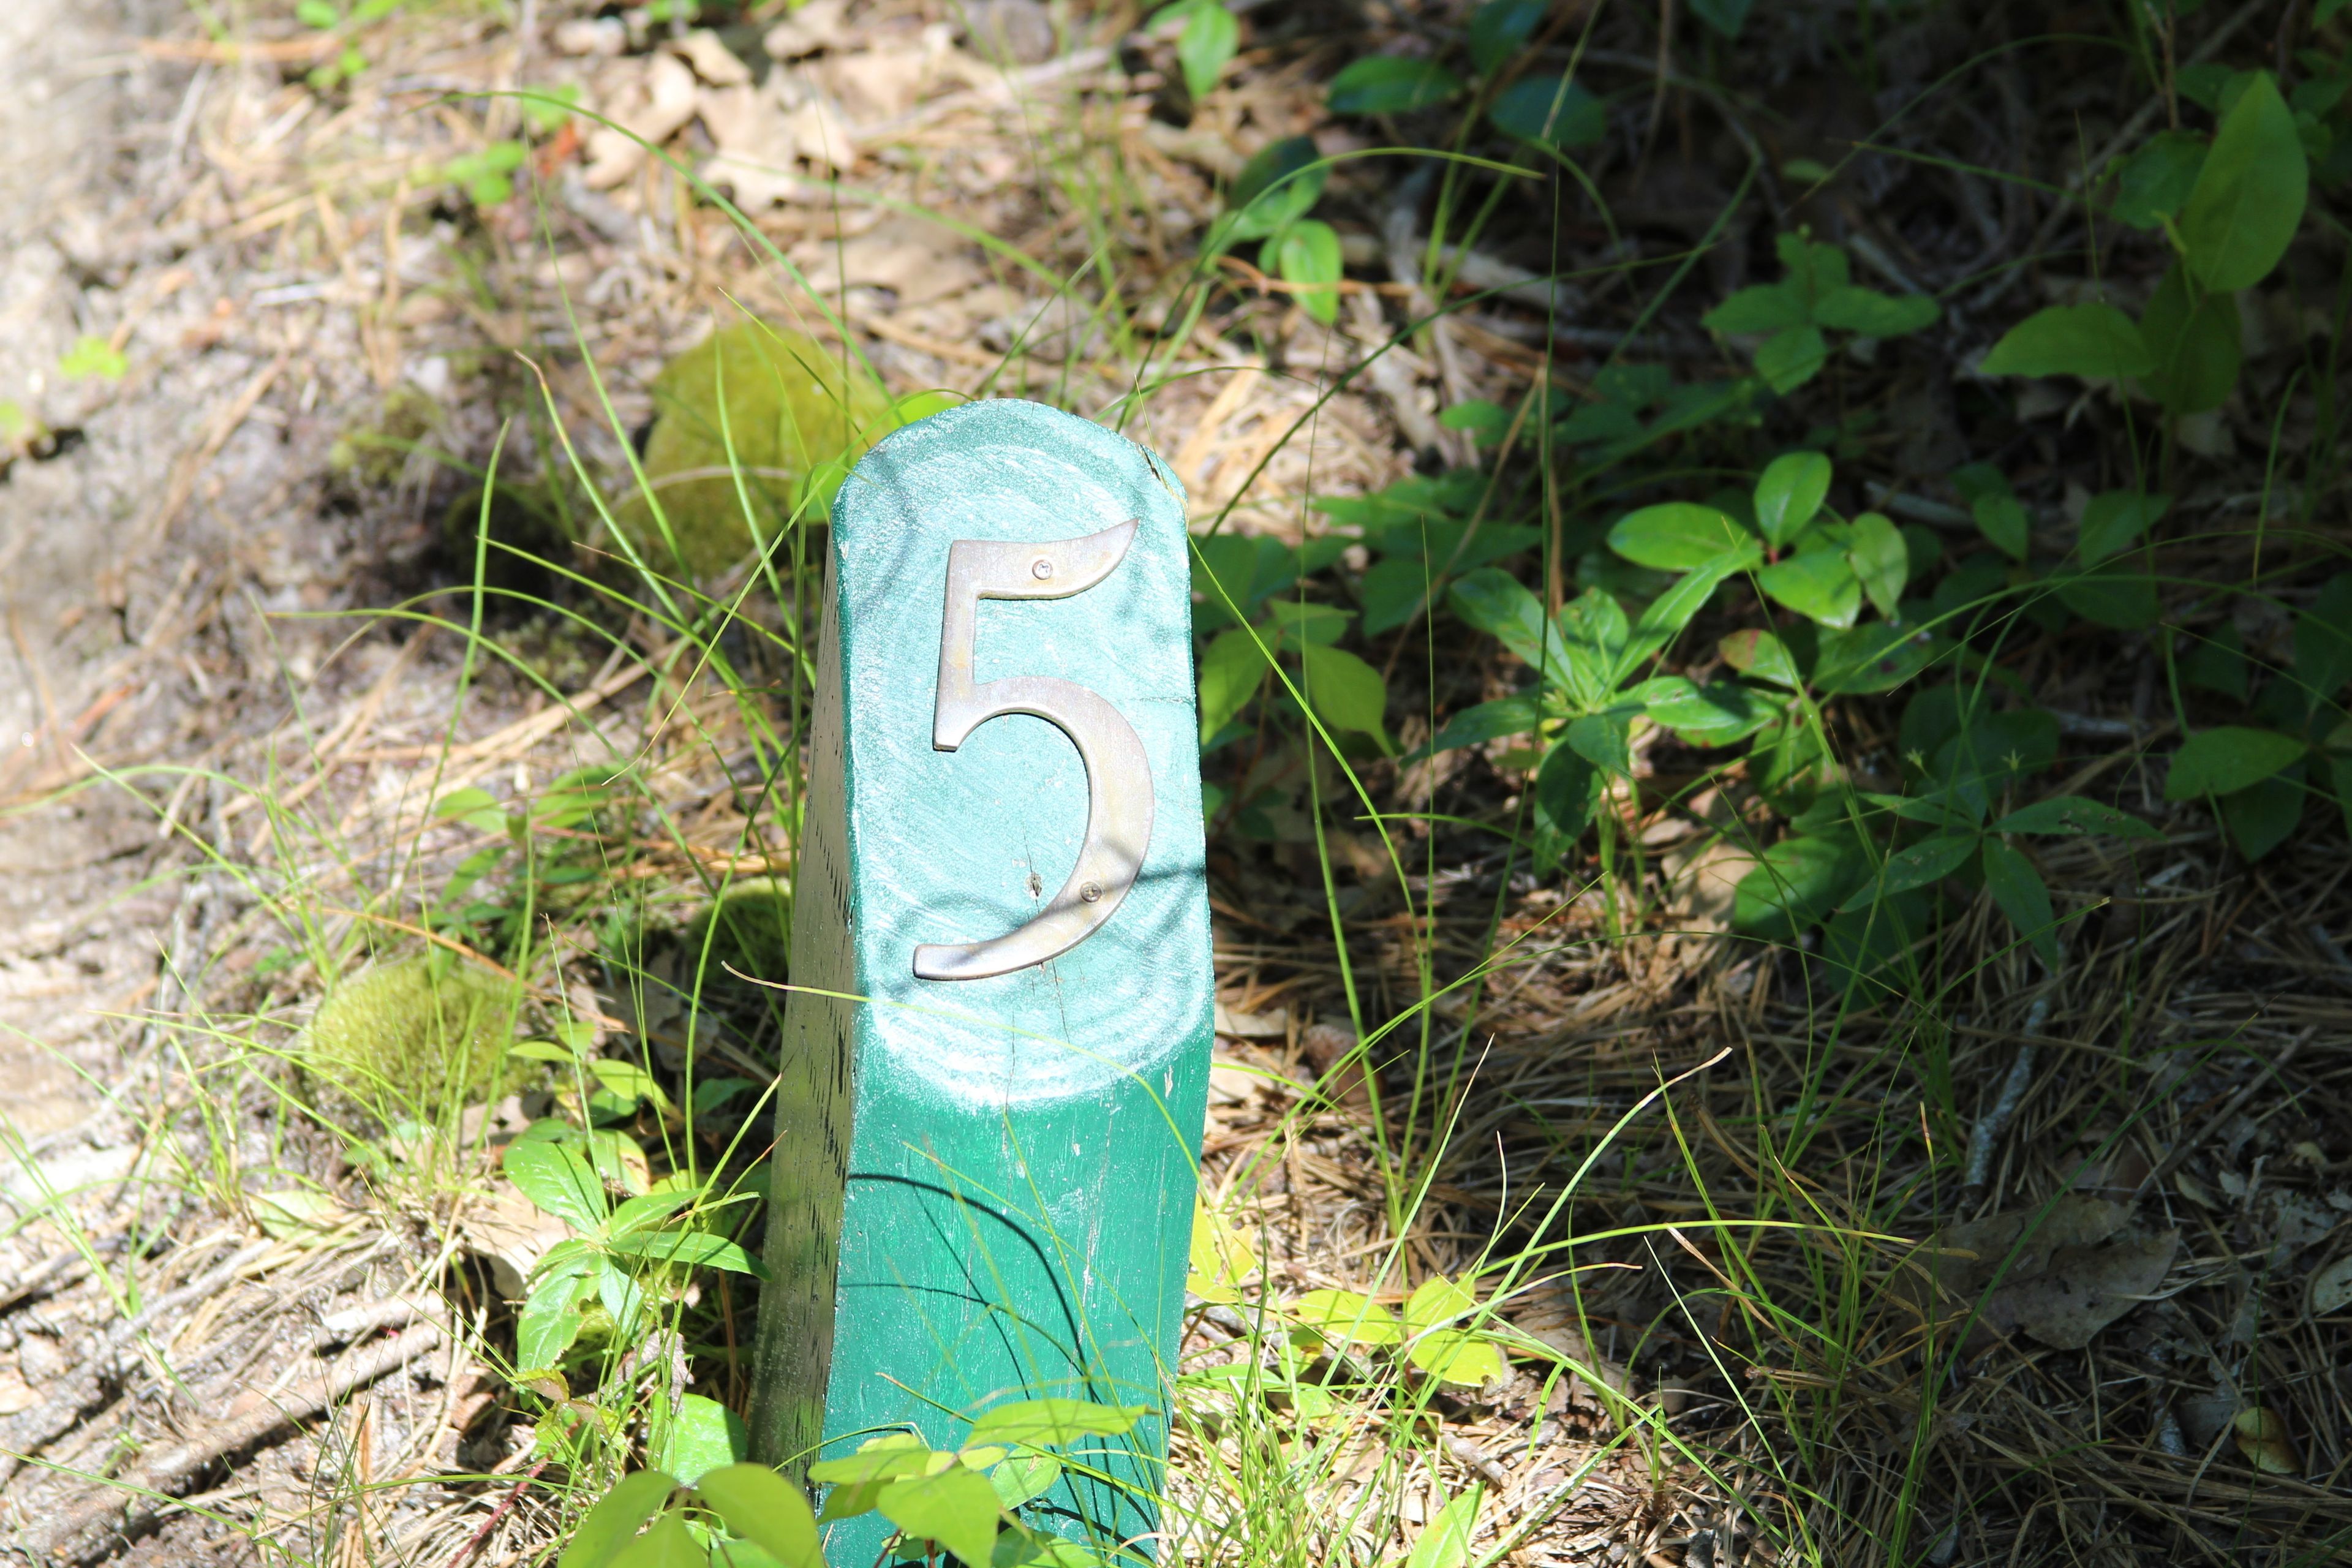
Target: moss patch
column 418, row 1037
column 797, row 420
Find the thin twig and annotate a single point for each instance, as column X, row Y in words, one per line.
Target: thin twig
column 1996, row 1121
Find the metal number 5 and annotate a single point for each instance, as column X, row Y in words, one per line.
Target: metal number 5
column 1118, row 773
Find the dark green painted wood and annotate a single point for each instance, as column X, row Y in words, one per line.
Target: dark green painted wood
column 984, row 1188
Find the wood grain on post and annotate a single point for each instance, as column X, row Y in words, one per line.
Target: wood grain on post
column 987, row 1136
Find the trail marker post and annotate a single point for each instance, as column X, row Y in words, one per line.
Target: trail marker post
column 991, row 1090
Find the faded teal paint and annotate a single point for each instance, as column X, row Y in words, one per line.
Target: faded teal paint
column 1015, row 1208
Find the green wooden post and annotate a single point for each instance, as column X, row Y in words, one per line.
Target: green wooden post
column 986, row 1142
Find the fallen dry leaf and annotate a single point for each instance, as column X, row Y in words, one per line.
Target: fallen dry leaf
column 816, row 25
column 2331, row 1288
column 711, row 61
column 2260, row 1435
column 883, row 83
column 650, row 102
column 2066, row 1277
column 2084, row 1289
column 512, row 1233
column 917, row 260
column 763, row 132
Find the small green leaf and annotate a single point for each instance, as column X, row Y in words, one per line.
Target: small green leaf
column 1550, row 110
column 1929, row 860
column 955, row 1508
column 1877, row 657
column 1789, row 495
column 1024, row 1477
column 1567, row 789
column 1309, row 261
column 1499, row 28
column 612, row 1524
column 1727, row 17
column 687, row 1249
column 2068, row 815
column 93, row 356
column 2228, row 759
column 2249, row 197
column 1760, row 307
column 1819, row 585
column 1677, row 536
column 1761, row 655
column 1492, row 601
column 1437, row 1301
column 316, row 14
column 1485, row 418
column 1275, row 188
column 1206, row 45
column 1348, row 1316
column 700, row 1437
column 1715, row 715
column 2119, row 597
column 1796, row 884
column 629, row 1081
column 2261, row 816
column 1450, row 1355
column 2002, row 520
column 1603, row 740
column 1052, row 1423
column 1444, row 1541
column 889, row 1458
column 1881, row 561
column 2018, row 890
column 1868, row 313
column 1231, row 673
column 2115, row 520
column 667, row 1544
column 549, row 1320
column 2195, row 344
column 765, row 1509
column 1346, row 692
column 475, row 807
column 2096, row 342
column 2323, row 641
column 558, row 1179
column 1791, row 357
column 1389, row 84
column 1489, row 721
column 2159, row 177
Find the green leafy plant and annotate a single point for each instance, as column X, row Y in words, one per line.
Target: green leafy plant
column 729, row 1516
column 1817, row 296
column 488, row 175
column 966, row 1499
column 93, row 357
column 2229, row 207
column 1206, row 43
column 2259, row 776
column 1231, row 574
column 652, row 1238
column 1269, row 202
column 1423, row 532
column 1963, row 760
column 1389, row 84
column 328, row 17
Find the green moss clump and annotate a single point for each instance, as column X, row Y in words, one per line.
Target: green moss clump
column 418, row 1037
column 749, row 930
column 371, row 456
column 798, row 419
